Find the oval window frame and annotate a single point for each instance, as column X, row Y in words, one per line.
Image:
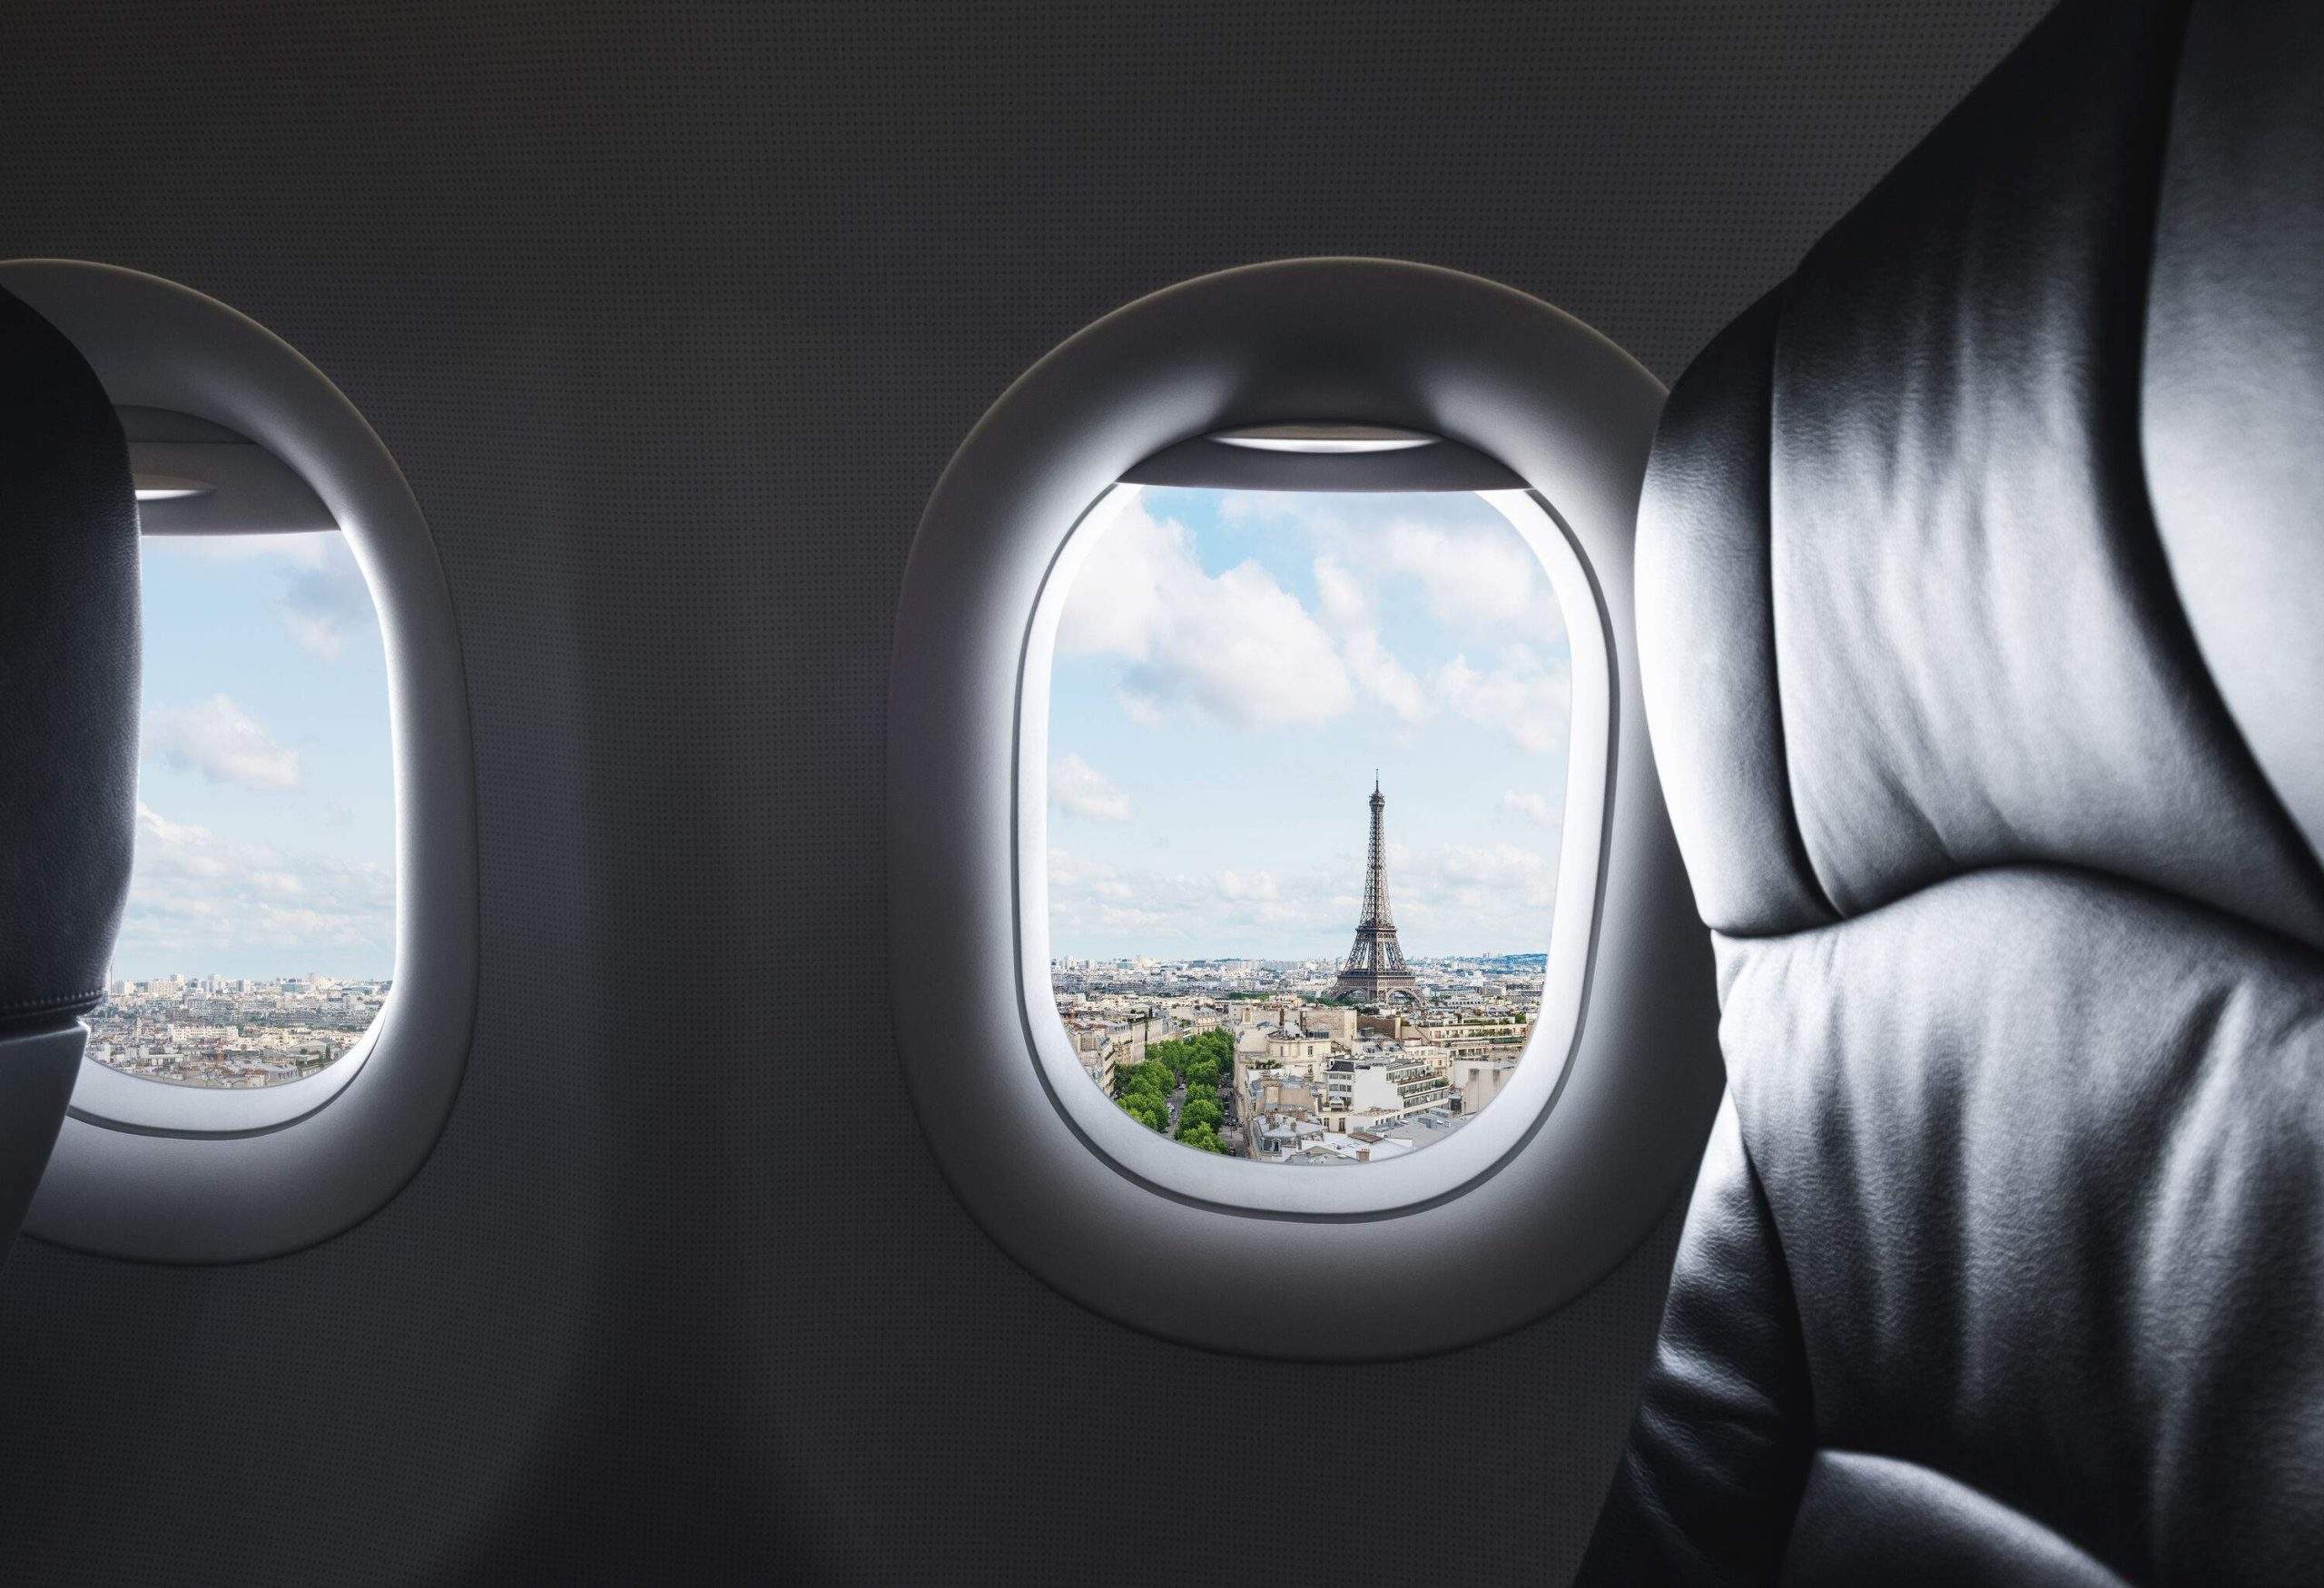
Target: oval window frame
column 1371, row 1262
column 164, row 1173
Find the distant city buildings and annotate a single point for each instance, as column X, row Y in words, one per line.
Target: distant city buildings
column 232, row 1031
column 1314, row 1082
column 1352, row 1061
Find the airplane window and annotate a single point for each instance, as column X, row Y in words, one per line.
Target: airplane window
column 1306, row 778
column 301, row 909
column 1224, row 564
column 258, row 942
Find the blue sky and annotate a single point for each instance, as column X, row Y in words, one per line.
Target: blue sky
column 1230, row 668
column 266, row 800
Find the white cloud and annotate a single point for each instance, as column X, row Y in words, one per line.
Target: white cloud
column 1448, row 898
column 223, row 743
column 1266, row 859
column 1506, row 871
column 1237, row 648
column 1533, row 807
column 326, row 607
column 1473, row 577
column 195, row 894
column 1376, row 669
column 1252, row 885
column 1092, row 899
column 1084, row 878
column 1185, row 913
column 1525, row 873
column 318, row 636
column 1522, row 696
column 1274, row 507
column 1476, row 897
column 1081, row 790
column 306, row 551
column 323, row 604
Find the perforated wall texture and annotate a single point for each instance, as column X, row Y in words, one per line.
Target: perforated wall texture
column 672, row 319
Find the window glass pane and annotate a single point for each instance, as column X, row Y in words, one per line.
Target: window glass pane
column 260, row 934
column 1249, row 691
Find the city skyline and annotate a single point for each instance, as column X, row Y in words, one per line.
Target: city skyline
column 232, row 1031
column 1288, row 1062
column 1231, row 667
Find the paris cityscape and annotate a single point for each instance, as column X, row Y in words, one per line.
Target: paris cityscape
column 231, row 1032
column 1307, row 1062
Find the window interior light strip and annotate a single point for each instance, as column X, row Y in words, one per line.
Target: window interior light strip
column 1324, row 439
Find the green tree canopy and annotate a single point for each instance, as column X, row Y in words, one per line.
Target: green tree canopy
column 1147, row 1109
column 1177, row 1054
column 1173, row 1053
column 1201, row 1137
column 1152, row 1076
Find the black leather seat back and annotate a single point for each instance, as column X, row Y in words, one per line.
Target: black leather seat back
column 68, row 724
column 1981, row 585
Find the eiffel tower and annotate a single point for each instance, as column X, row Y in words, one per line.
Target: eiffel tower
column 1374, row 970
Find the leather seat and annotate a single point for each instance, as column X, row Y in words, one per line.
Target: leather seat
column 1982, row 616
column 68, row 726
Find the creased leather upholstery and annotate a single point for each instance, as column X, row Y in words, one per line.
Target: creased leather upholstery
column 1989, row 695
column 2234, row 378
column 1711, row 634
column 68, row 674
column 1869, row 1519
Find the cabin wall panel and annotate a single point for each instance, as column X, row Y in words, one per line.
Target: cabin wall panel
column 672, row 316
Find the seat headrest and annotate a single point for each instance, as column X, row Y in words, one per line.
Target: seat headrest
column 68, row 674
column 2233, row 408
column 1905, row 611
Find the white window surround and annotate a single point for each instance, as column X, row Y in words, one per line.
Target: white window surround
column 182, row 1174
column 1562, row 1177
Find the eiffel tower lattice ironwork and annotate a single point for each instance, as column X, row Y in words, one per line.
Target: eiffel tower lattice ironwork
column 1375, row 969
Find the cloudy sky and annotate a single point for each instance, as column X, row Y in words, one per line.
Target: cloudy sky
column 265, row 823
column 1230, row 668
